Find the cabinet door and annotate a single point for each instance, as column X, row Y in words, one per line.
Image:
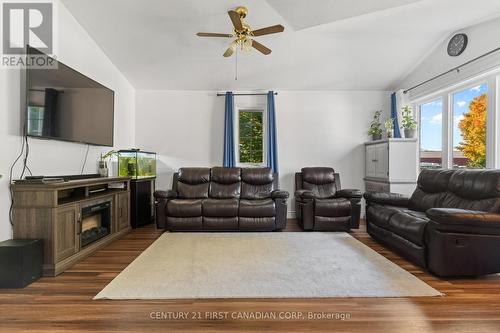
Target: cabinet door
column 123, row 211
column 371, row 161
column 66, row 232
column 382, row 158
column 143, row 203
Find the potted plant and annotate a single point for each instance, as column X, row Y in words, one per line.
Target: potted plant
column 408, row 124
column 376, row 127
column 389, row 127
column 103, row 166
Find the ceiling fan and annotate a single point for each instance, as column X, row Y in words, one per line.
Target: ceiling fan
column 242, row 33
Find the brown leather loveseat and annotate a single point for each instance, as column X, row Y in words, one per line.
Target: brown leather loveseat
column 222, row 199
column 450, row 225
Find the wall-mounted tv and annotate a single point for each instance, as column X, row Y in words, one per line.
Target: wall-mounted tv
column 63, row 104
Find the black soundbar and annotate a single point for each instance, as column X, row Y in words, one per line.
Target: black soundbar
column 65, row 178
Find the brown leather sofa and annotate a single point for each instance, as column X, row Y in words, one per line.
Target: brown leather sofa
column 321, row 204
column 222, row 199
column 450, row 225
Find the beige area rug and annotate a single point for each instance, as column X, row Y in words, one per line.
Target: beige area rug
column 262, row 265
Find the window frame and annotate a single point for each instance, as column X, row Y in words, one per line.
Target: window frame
column 492, row 80
column 251, row 108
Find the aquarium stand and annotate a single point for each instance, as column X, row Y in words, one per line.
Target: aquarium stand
column 142, row 201
column 141, row 167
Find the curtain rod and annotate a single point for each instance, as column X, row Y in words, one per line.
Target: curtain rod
column 249, row 94
column 457, row 69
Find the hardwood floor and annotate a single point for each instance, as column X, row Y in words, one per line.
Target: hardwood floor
column 64, row 303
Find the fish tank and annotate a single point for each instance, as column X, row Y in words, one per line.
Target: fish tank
column 136, row 164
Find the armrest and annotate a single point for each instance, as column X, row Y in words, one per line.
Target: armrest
column 452, row 216
column 304, row 194
column 464, row 221
column 385, row 198
column 349, row 193
column 169, row 194
column 279, row 194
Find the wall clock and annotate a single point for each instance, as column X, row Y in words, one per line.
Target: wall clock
column 457, row 45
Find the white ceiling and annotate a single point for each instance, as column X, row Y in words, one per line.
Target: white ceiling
column 327, row 44
column 306, row 14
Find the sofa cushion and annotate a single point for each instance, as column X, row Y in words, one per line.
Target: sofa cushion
column 320, row 181
column 193, row 183
column 225, row 175
column 474, row 190
column 257, row 223
column 329, row 223
column 184, row 207
column 220, row 207
column 185, row 223
column 422, row 201
column 225, row 182
column 452, row 200
column 332, row 207
column 257, row 183
column 409, row 225
column 432, row 186
column 475, row 184
column 257, row 208
column 220, row 223
column 380, row 214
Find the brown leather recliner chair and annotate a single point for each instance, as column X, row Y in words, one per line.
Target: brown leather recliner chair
column 450, row 225
column 321, row 204
column 222, row 199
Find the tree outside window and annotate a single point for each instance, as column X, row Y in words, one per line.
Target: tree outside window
column 251, row 140
column 469, row 127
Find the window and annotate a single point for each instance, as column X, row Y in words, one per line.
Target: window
column 431, row 134
column 251, row 137
column 35, row 120
column 469, row 127
column 459, row 125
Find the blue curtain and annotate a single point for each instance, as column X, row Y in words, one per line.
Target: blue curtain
column 394, row 115
column 272, row 151
column 229, row 155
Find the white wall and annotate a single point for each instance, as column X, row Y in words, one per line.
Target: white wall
column 79, row 51
column 482, row 38
column 315, row 128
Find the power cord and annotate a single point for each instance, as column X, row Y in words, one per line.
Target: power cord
column 24, row 151
column 85, row 159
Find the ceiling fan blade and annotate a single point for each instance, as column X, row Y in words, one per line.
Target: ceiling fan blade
column 230, row 50
column 261, row 48
column 213, row 34
column 236, row 19
column 269, row 30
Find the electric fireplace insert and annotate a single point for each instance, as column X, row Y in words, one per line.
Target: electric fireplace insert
column 96, row 223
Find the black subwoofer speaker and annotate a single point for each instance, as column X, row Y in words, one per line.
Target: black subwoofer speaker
column 21, row 262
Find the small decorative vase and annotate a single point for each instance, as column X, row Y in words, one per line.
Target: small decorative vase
column 389, row 134
column 409, row 133
column 376, row 137
column 103, row 169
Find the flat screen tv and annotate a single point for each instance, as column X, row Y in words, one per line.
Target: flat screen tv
column 63, row 104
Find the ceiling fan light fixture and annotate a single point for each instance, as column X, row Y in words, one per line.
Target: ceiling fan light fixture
column 243, row 33
column 230, row 50
column 246, row 44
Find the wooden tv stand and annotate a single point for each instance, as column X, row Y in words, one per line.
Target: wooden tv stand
column 53, row 212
